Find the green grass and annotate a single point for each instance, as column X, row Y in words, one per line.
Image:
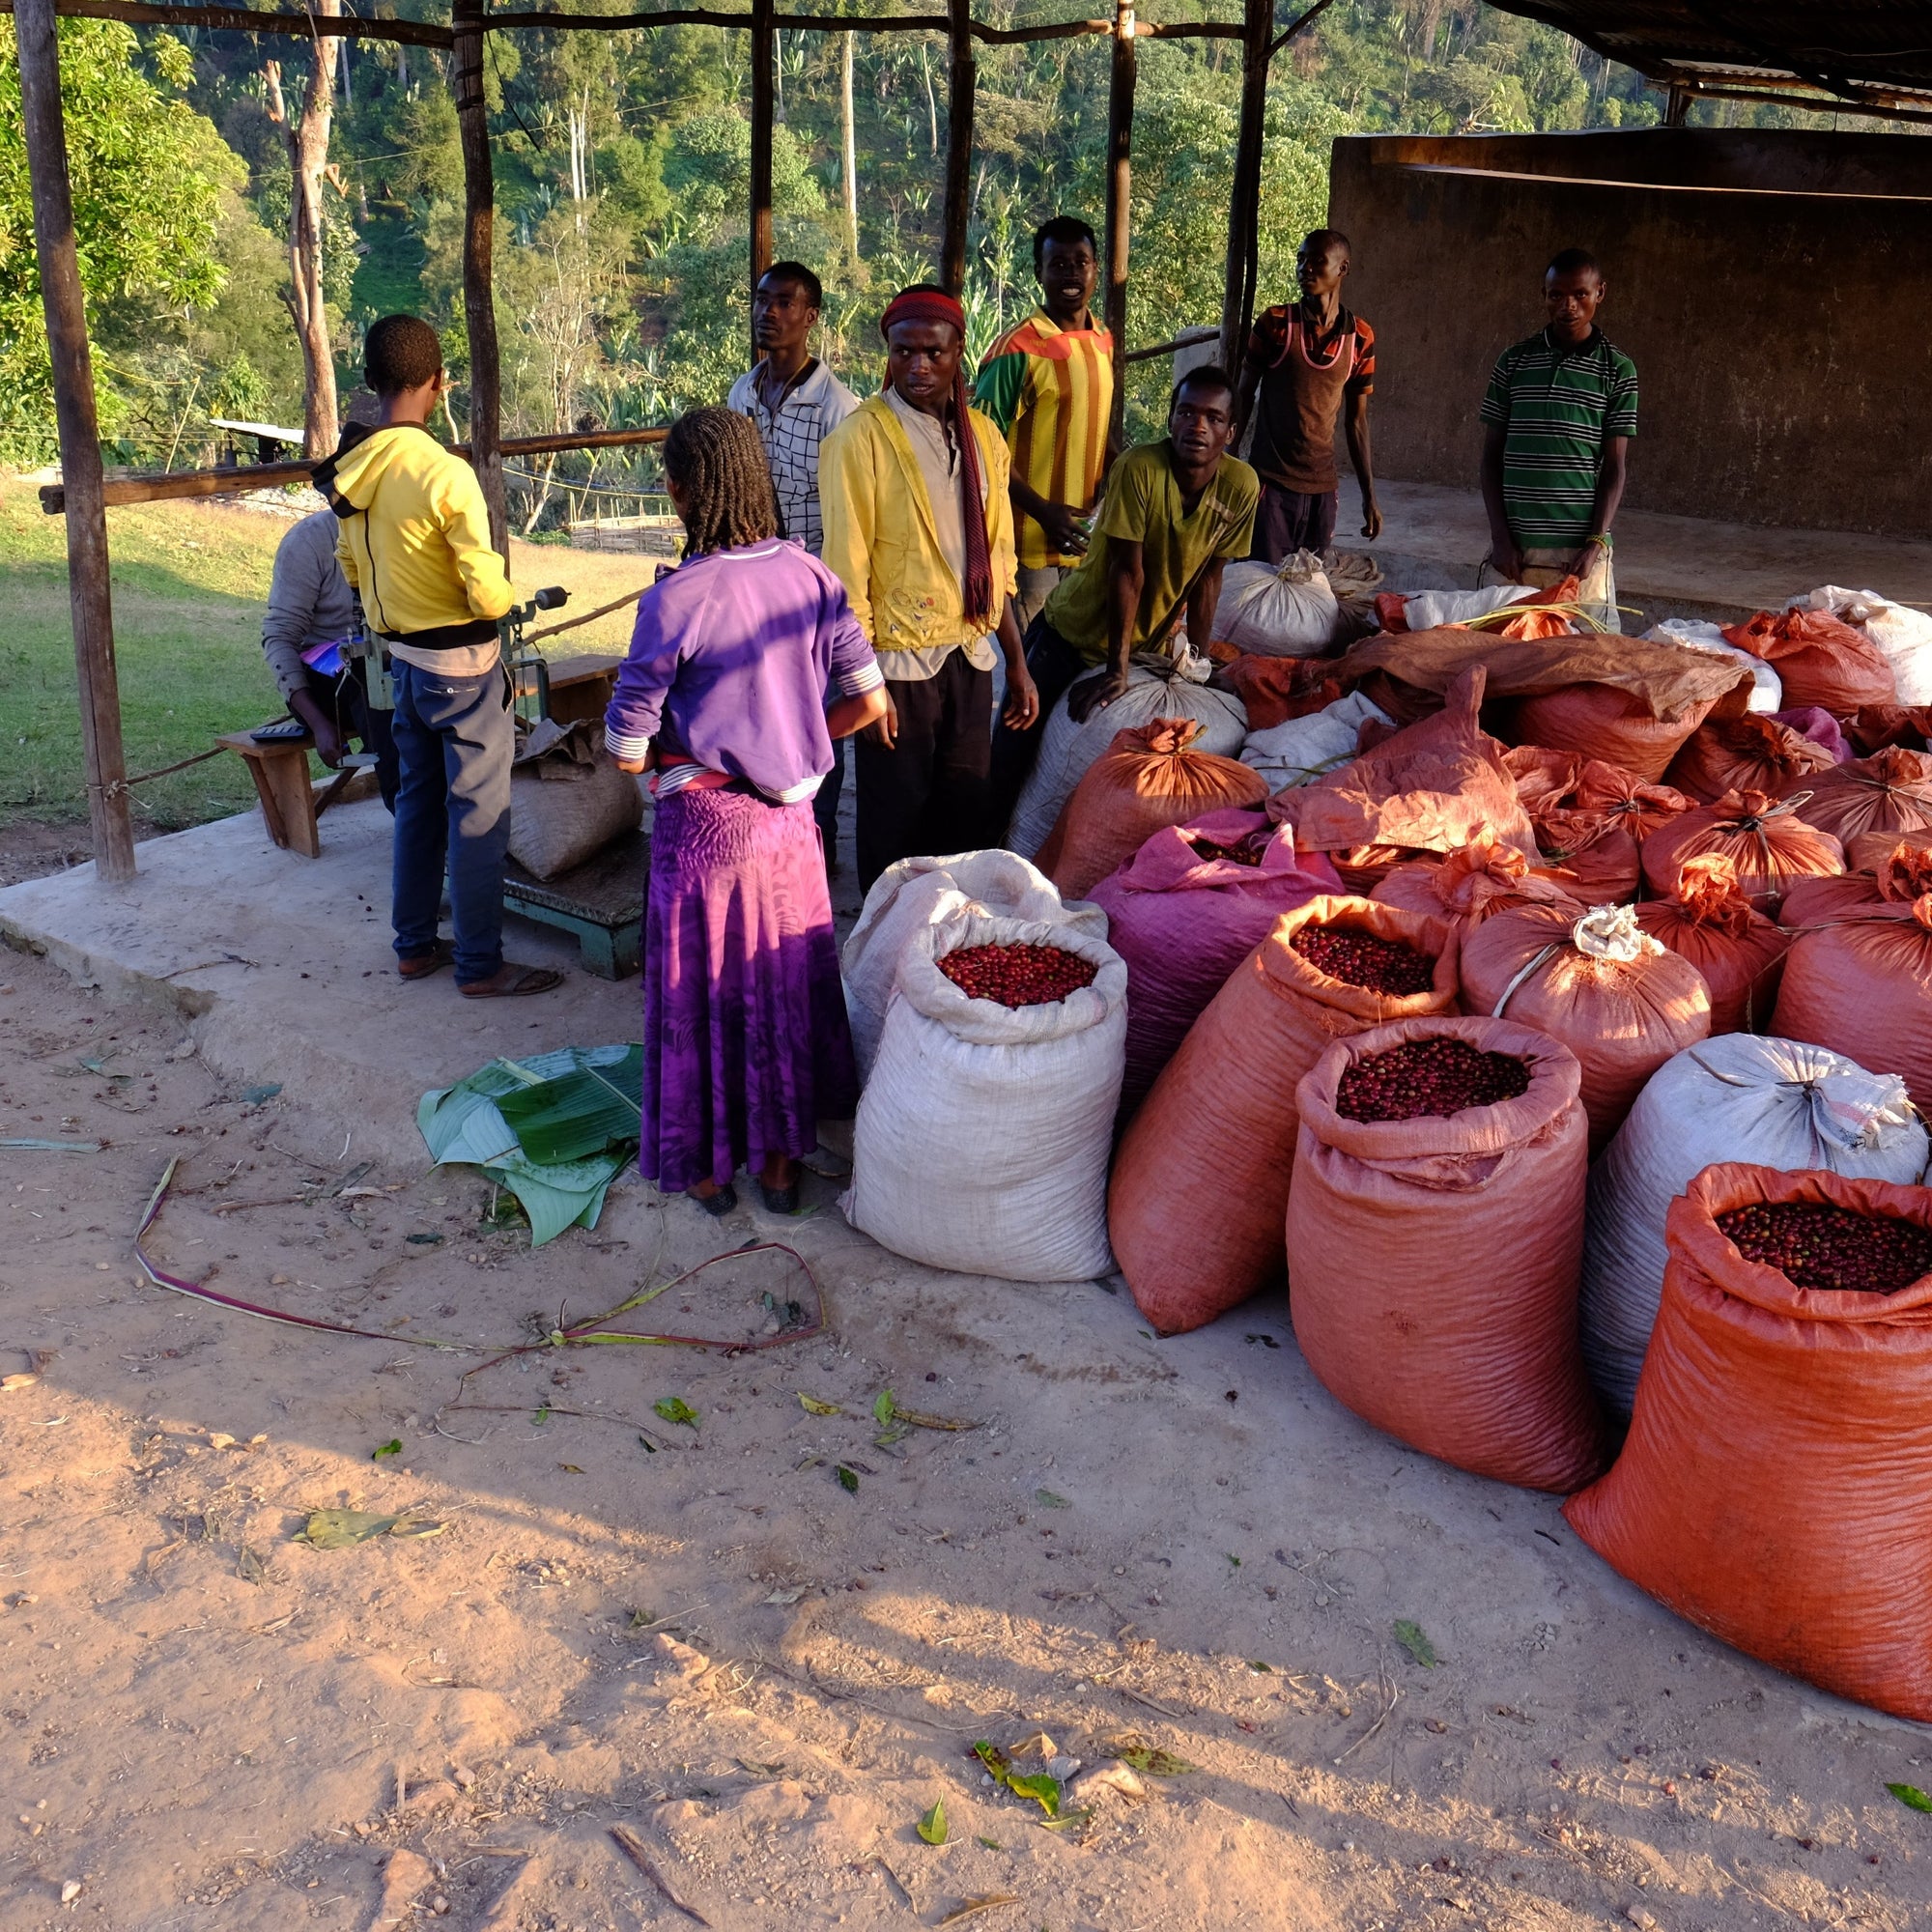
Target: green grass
column 187, row 618
column 189, row 580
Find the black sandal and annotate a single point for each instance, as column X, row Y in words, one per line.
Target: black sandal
column 780, row 1199
column 718, row 1205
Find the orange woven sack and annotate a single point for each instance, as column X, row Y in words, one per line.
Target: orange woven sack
column 1764, row 838
column 1274, row 689
column 1881, row 870
column 1145, row 780
column 1602, row 722
column 1862, row 986
column 1748, row 753
column 1434, row 785
column 1595, row 832
column 1873, row 726
column 1819, row 660
column 1740, row 953
column 1434, row 1263
column 1544, row 779
column 1776, row 1488
column 1597, row 984
column 1470, row 884
column 1890, row 792
column 1200, row 1183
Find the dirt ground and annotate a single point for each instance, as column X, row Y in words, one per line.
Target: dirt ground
column 702, row 1636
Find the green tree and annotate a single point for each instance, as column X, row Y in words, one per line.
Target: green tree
column 144, row 208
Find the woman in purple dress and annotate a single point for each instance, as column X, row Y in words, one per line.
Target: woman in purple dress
column 723, row 696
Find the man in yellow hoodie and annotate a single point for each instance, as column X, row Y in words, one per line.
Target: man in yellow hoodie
column 414, row 545
column 919, row 526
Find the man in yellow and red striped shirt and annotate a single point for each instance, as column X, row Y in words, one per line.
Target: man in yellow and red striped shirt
column 1049, row 385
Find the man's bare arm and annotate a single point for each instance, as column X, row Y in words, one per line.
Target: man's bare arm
column 1503, row 552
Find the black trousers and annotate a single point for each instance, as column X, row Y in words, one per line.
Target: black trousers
column 929, row 794
column 345, row 697
column 1055, row 667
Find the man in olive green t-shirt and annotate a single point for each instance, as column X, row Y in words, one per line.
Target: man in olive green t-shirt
column 1174, row 512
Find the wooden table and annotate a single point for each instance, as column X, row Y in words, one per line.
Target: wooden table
column 289, row 802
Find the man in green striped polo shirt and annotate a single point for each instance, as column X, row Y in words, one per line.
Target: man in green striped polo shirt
column 1559, row 415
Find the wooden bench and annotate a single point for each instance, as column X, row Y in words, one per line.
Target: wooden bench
column 289, row 802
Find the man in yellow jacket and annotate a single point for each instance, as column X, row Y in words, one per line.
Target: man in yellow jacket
column 920, row 528
column 414, row 545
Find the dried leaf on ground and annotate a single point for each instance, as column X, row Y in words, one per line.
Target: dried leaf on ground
column 249, row 1565
column 1415, row 1640
column 933, row 1826
column 18, row 1382
column 343, row 1528
column 1048, row 1500
column 814, row 1407
column 1150, row 1758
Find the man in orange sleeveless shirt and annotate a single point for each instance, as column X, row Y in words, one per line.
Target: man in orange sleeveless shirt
column 1304, row 363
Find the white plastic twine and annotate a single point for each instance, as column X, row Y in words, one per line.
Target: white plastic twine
column 1603, row 932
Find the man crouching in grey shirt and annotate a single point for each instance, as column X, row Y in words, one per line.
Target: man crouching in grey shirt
column 311, row 607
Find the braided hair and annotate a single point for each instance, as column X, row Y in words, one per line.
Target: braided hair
column 716, row 458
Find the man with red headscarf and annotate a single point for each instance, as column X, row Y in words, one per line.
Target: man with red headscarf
column 919, row 530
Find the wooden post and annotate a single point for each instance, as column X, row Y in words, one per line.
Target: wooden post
column 1244, row 209
column 88, row 593
column 1120, row 196
column 479, row 301
column 962, row 82
column 764, row 60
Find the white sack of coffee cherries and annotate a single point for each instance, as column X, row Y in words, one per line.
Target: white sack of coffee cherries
column 983, row 1132
column 915, row 893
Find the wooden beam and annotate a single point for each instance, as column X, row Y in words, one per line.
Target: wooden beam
column 161, row 486
column 1120, row 196
column 479, row 301
column 962, row 88
column 250, row 20
column 89, row 596
column 764, row 60
column 427, row 34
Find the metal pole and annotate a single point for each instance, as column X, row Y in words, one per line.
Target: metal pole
column 1119, row 187
column 479, row 304
column 1245, row 202
column 88, row 594
column 764, row 60
column 962, row 82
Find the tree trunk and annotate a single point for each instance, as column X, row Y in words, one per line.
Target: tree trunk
column 307, row 142
column 962, row 83
column 849, row 151
column 479, row 302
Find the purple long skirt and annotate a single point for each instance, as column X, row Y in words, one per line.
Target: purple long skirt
column 747, row 1046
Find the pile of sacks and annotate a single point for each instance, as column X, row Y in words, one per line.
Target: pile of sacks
column 1677, row 888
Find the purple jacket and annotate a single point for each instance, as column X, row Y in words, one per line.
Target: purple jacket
column 732, row 657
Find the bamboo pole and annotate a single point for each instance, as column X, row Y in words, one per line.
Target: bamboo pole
column 169, row 486
column 479, row 301
column 89, row 595
column 764, row 60
column 1120, row 196
column 962, row 83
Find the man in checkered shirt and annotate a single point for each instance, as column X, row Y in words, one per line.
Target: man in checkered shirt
column 795, row 402
column 793, row 398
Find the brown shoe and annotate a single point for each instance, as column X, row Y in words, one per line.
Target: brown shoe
column 426, row 963
column 510, row 982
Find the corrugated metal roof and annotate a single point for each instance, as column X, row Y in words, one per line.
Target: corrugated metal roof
column 1870, row 54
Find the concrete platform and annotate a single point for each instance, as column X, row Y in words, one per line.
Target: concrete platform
column 284, row 963
column 1434, row 536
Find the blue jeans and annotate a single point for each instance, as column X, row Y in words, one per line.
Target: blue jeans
column 454, row 739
